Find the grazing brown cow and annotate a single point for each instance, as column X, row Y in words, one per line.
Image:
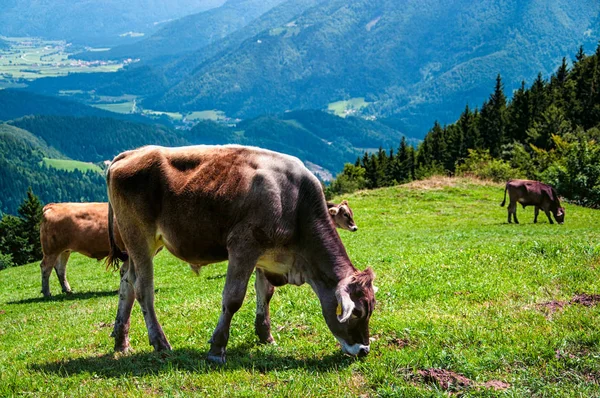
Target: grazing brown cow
column 72, row 227
column 342, row 215
column 257, row 209
column 533, row 193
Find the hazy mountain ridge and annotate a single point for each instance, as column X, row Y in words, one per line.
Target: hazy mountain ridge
column 92, row 22
column 191, row 32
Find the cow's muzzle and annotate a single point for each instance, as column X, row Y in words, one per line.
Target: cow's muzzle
column 355, row 349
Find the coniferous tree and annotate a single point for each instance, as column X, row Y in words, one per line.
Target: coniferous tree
column 31, row 214
column 518, row 115
column 493, row 119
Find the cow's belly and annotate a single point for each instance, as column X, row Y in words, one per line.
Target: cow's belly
column 198, row 252
column 281, row 263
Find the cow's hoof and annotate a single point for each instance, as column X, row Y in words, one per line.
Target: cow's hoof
column 216, row 359
column 68, row 292
column 268, row 340
column 161, row 345
column 123, row 348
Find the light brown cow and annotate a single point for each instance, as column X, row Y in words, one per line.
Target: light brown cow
column 72, row 227
column 342, row 216
column 257, row 209
column 83, row 228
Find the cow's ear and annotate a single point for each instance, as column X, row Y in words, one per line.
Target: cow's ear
column 334, row 211
column 344, row 202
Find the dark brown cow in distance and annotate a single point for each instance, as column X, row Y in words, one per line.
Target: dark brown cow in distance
column 533, row 193
column 342, row 215
column 254, row 207
column 72, row 227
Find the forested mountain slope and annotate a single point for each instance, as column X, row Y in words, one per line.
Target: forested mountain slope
column 191, row 32
column 413, row 58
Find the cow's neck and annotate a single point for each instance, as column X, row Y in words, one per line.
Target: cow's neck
column 327, row 260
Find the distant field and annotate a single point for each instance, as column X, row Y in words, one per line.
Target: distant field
column 213, row 115
column 468, row 305
column 172, row 115
column 32, row 58
column 119, row 107
column 71, row 165
column 348, row 107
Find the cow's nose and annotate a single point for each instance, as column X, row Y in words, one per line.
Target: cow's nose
column 354, row 228
column 364, row 350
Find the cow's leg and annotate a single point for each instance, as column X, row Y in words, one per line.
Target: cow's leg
column 242, row 260
column 512, row 208
column 537, row 211
column 144, row 293
column 262, row 323
column 549, row 217
column 46, row 266
column 61, row 271
column 126, row 299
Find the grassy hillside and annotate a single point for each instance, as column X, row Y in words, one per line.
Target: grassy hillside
column 22, row 166
column 70, row 165
column 459, row 290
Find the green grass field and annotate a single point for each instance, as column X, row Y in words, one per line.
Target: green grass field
column 345, row 108
column 117, row 107
column 459, row 290
column 213, row 115
column 71, row 165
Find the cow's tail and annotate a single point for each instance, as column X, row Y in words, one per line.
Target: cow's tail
column 504, row 201
column 115, row 255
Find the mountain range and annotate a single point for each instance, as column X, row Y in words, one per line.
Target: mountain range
column 106, row 22
column 411, row 61
column 191, row 32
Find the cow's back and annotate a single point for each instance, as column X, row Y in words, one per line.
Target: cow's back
column 80, row 227
column 193, row 197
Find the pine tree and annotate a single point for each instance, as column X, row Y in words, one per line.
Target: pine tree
column 493, row 120
column 518, row 115
column 31, row 214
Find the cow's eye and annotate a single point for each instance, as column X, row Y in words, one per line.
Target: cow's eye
column 347, row 216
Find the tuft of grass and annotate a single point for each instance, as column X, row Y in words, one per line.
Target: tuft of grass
column 459, row 290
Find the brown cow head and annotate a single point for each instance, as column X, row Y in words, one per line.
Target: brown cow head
column 342, row 216
column 560, row 215
column 348, row 314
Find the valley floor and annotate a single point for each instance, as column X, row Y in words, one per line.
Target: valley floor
column 466, row 303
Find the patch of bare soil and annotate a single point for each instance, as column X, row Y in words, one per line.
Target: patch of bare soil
column 446, row 379
column 454, row 382
column 587, row 300
column 496, row 385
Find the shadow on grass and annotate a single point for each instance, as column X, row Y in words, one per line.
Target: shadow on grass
column 188, row 360
column 66, row 297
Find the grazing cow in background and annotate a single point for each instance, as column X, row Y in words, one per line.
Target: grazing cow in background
column 533, row 193
column 254, row 207
column 72, row 227
column 342, row 215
